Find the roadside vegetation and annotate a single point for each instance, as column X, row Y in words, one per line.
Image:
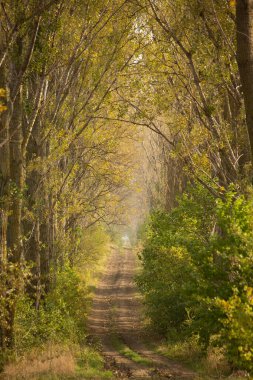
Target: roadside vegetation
column 58, row 362
column 199, row 257
column 50, row 343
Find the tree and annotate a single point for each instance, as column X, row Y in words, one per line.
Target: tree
column 62, row 168
column 244, row 25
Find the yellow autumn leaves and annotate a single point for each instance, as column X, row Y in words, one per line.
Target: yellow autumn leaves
column 232, row 3
column 2, row 95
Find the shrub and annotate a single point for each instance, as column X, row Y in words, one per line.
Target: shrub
column 60, row 317
column 237, row 333
column 194, row 259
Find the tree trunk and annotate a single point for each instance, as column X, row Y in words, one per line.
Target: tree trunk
column 244, row 22
column 16, row 181
column 4, row 172
column 4, row 198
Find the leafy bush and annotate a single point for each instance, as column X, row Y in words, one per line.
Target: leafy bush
column 63, row 310
column 237, row 332
column 60, row 317
column 194, row 259
column 167, row 294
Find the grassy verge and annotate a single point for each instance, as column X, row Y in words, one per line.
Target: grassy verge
column 58, row 363
column 91, row 365
column 212, row 365
column 50, row 343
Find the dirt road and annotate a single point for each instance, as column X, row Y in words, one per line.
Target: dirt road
column 115, row 321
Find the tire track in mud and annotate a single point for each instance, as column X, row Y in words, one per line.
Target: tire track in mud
column 116, row 313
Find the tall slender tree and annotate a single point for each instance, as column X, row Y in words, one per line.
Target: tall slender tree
column 244, row 24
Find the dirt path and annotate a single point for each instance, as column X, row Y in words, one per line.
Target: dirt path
column 115, row 321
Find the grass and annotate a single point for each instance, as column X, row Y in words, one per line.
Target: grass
column 91, row 365
column 58, row 363
column 211, row 366
column 127, row 352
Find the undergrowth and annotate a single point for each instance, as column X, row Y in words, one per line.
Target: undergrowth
column 209, row 365
column 58, row 362
column 196, row 275
column 50, row 341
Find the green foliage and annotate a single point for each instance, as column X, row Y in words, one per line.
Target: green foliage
column 193, row 260
column 166, row 260
column 12, row 280
column 237, row 332
column 61, row 316
column 92, row 246
column 91, row 365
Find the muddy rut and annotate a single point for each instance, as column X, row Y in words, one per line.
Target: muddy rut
column 115, row 323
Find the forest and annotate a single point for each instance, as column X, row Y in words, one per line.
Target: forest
column 126, row 148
